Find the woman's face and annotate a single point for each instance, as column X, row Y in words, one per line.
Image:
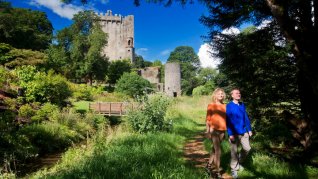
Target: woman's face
column 219, row 96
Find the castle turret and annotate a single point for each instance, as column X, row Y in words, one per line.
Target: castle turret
column 120, row 32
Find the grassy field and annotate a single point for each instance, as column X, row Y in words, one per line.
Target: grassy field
column 120, row 153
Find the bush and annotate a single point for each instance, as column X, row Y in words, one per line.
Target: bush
column 199, row 91
column 85, row 92
column 42, row 87
column 45, row 112
column 151, row 117
column 26, row 111
column 133, row 85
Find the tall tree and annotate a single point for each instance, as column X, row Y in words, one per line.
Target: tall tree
column 190, row 65
column 24, row 28
column 117, row 69
column 297, row 20
column 78, row 49
column 251, row 61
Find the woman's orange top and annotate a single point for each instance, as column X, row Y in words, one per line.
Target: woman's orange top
column 216, row 116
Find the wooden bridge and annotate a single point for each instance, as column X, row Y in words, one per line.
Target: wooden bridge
column 111, row 108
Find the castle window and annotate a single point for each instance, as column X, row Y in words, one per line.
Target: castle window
column 129, row 42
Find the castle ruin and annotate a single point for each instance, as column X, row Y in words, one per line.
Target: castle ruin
column 120, row 32
column 172, row 79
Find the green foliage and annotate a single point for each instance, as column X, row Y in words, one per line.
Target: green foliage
column 190, row 65
column 200, row 90
column 157, row 63
column 4, row 56
column 26, row 111
column 43, row 135
column 133, row 85
column 24, row 28
column 42, row 87
column 84, row 91
column 77, row 53
column 138, row 62
column 20, row 57
column 251, row 60
column 5, row 78
column 117, row 69
column 45, row 112
column 151, row 117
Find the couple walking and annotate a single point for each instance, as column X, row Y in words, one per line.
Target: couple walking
column 233, row 118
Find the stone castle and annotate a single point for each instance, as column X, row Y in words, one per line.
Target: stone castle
column 120, row 32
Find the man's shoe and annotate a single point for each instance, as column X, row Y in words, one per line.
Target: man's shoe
column 234, row 174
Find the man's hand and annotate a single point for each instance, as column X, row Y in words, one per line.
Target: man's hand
column 250, row 133
column 232, row 138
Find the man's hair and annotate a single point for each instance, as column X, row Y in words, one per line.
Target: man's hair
column 234, row 89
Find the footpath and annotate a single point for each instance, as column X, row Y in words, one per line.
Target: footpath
column 195, row 153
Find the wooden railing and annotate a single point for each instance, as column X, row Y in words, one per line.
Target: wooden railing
column 111, row 108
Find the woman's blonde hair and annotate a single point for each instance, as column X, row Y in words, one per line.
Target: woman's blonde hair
column 215, row 92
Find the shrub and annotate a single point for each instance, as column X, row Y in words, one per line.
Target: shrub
column 42, row 87
column 133, row 85
column 26, row 111
column 85, row 92
column 151, row 117
column 45, row 112
column 199, row 91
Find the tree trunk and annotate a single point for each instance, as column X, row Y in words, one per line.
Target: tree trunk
column 308, row 88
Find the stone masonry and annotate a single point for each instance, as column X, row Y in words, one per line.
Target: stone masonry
column 120, row 32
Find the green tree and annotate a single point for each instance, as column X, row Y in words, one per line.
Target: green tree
column 190, row 65
column 78, row 49
column 133, row 85
column 140, row 62
column 24, row 28
column 157, row 63
column 297, row 20
column 42, row 87
column 117, row 69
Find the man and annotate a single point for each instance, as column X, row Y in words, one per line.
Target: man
column 239, row 131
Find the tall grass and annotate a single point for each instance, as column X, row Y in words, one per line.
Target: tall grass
column 120, row 153
column 124, row 154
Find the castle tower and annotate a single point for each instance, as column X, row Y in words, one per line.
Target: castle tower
column 172, row 79
column 120, row 32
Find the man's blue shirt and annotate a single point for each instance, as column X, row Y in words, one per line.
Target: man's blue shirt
column 237, row 121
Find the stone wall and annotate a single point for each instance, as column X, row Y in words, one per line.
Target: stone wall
column 120, row 31
column 172, row 79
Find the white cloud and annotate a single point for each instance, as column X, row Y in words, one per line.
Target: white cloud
column 104, row 1
column 206, row 58
column 231, row 30
column 142, row 51
column 165, row 52
column 61, row 9
column 206, row 50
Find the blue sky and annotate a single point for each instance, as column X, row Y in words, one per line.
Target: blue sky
column 158, row 29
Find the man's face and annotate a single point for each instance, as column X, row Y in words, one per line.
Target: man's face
column 236, row 95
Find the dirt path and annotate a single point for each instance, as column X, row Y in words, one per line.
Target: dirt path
column 195, row 153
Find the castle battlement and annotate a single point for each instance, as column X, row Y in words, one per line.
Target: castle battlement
column 120, row 30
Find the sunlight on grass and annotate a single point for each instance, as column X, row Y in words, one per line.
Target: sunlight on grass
column 81, row 105
column 120, row 153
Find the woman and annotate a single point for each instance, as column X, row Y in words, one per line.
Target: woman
column 215, row 128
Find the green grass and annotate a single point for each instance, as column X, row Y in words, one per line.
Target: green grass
column 124, row 154
column 81, row 105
